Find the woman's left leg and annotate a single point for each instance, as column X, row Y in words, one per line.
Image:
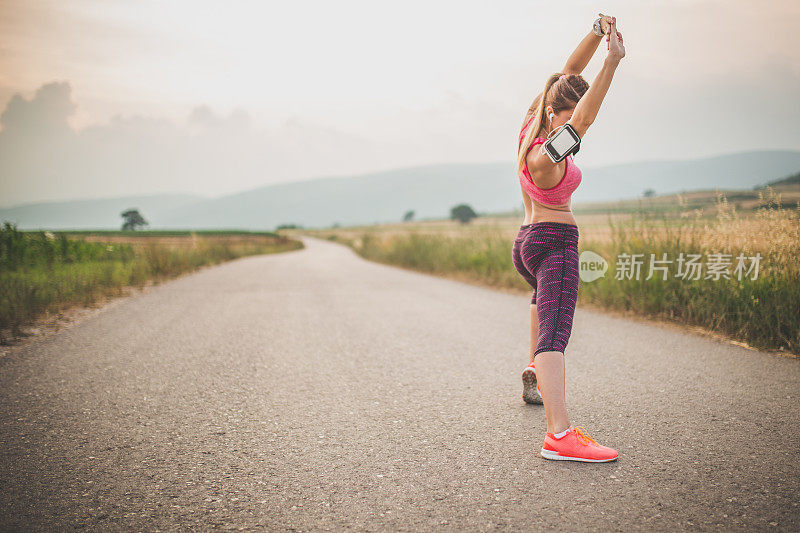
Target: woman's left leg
column 534, row 331
column 522, row 268
column 530, row 392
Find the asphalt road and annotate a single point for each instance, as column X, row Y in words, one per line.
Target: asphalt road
column 315, row 390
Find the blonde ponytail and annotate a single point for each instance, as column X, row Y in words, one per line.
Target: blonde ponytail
column 564, row 96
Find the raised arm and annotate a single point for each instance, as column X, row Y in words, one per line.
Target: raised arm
column 589, row 104
column 586, row 48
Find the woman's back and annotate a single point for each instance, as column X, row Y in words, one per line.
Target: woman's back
column 555, row 195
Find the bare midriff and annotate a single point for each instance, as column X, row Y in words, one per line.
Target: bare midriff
column 550, row 213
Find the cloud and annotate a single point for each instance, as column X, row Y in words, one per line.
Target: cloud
column 43, row 158
column 203, row 118
column 45, row 114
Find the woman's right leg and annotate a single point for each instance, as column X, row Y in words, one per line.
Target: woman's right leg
column 553, row 257
column 550, row 375
column 557, row 278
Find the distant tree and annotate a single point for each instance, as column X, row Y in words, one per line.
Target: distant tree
column 463, row 213
column 335, row 225
column 408, row 216
column 648, row 193
column 289, row 226
column 133, row 219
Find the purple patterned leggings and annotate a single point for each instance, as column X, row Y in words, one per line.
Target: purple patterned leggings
column 546, row 255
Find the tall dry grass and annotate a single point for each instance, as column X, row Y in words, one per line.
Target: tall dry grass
column 763, row 312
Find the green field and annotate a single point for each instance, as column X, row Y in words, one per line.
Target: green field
column 44, row 273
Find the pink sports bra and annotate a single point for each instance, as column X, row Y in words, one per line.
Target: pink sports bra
column 562, row 191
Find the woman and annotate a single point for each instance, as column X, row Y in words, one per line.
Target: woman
column 545, row 251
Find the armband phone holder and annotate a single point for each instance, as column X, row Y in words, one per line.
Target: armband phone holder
column 565, row 142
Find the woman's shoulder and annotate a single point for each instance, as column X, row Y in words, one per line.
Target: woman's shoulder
column 536, row 141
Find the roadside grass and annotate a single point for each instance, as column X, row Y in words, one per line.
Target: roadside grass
column 45, row 273
column 760, row 309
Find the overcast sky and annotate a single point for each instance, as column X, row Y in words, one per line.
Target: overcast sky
column 107, row 98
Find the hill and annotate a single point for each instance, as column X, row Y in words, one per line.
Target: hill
column 385, row 196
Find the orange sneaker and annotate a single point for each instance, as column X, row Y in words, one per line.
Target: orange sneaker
column 576, row 445
column 529, row 385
